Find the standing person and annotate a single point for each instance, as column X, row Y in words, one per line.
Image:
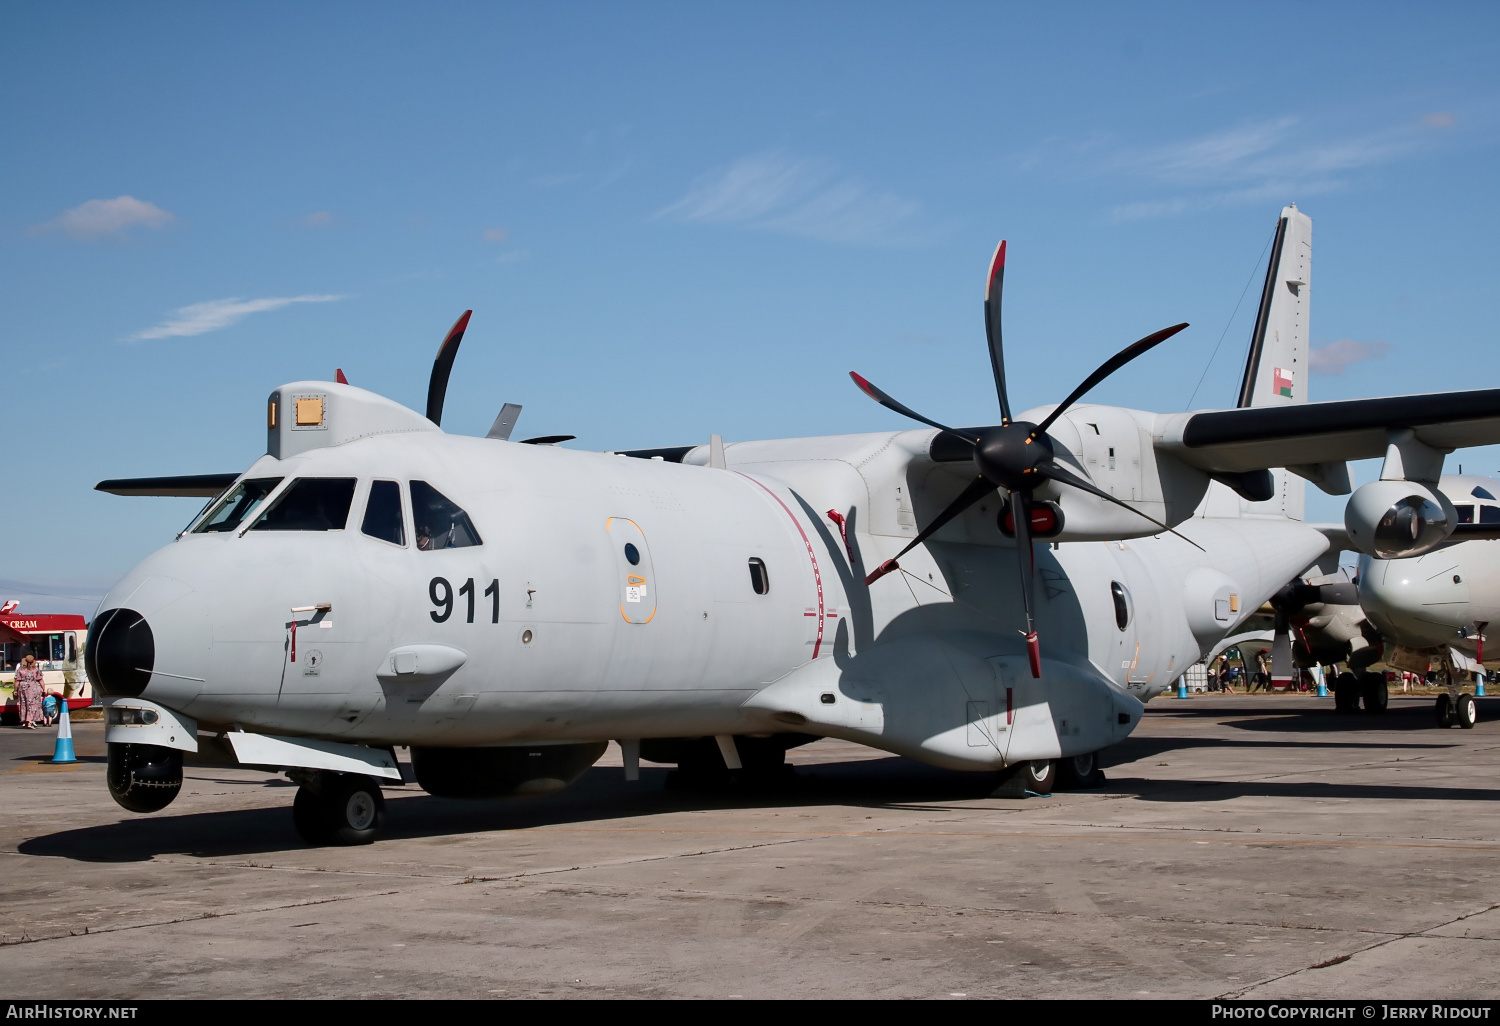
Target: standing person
column 29, row 691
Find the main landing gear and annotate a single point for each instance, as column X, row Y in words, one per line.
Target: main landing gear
column 1350, row 689
column 337, row 808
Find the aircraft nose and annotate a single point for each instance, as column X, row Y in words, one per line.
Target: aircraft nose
column 121, row 653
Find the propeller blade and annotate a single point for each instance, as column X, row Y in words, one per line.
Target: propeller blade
column 905, row 411
column 1020, row 513
column 1057, row 472
column 978, row 489
column 1107, row 368
column 437, row 386
column 1281, row 652
column 993, row 289
column 547, row 439
column 338, row 375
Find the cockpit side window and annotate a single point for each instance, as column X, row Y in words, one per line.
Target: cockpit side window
column 310, row 504
column 439, row 523
column 383, row 513
column 1465, row 514
column 242, row 500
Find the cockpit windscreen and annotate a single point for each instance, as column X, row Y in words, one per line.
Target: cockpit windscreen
column 310, row 504
column 440, row 524
column 242, row 500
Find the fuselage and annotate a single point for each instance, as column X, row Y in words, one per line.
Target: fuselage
column 613, row 597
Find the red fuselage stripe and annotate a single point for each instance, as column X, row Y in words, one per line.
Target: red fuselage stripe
column 817, row 574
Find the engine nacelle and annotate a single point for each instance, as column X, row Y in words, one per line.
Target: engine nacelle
column 503, row 771
column 1397, row 519
column 143, row 778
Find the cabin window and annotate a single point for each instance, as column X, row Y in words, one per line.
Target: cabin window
column 439, row 523
column 1489, row 514
column 1465, row 514
column 243, row 499
column 310, row 504
column 632, row 554
column 383, row 518
column 1480, row 492
column 1122, row 604
column 760, row 580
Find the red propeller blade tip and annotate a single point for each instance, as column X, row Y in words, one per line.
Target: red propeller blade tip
column 1034, row 655
column 997, row 264
column 880, row 571
column 338, row 375
column 864, row 385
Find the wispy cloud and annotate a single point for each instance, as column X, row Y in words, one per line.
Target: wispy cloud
column 496, row 235
column 105, row 218
column 778, row 192
column 201, row 318
column 1337, row 357
column 318, row 219
column 1277, row 159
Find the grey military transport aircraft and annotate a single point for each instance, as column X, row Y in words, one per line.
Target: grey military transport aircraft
column 1002, row 597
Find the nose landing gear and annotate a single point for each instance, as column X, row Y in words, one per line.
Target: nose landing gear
column 337, row 808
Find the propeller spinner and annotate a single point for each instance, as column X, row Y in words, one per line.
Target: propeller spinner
column 1016, row 456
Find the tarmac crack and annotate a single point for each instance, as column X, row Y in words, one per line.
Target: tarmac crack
column 1340, row 959
column 26, row 938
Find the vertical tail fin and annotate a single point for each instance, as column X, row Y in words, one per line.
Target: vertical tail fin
column 1276, row 368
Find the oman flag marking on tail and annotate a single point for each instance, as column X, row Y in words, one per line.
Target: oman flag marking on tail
column 1281, row 382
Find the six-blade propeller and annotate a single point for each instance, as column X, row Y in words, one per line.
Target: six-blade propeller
column 1017, row 456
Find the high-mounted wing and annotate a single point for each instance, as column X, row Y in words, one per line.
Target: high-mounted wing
column 1257, row 438
column 198, row 486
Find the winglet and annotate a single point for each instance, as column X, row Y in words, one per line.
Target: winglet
column 880, row 571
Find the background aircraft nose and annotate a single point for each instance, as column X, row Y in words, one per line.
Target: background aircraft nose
column 121, row 653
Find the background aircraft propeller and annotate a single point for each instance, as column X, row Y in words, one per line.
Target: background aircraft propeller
column 1290, row 601
column 1017, row 456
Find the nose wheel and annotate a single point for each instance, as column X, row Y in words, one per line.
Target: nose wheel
column 338, row 808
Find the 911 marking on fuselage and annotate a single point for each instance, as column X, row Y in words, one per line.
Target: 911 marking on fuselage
column 440, row 593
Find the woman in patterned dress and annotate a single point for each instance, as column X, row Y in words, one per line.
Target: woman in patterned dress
column 29, row 691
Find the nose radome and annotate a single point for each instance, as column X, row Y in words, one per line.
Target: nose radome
column 121, row 653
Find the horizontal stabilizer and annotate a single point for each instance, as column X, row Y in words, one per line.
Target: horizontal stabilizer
column 1260, row 437
column 200, row 486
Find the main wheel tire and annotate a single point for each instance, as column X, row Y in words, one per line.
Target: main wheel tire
column 1345, row 692
column 353, row 809
column 1466, row 712
column 1445, row 713
column 1040, row 776
column 1079, row 772
column 309, row 818
column 1372, row 688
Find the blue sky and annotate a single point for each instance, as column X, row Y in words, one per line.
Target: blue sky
column 672, row 220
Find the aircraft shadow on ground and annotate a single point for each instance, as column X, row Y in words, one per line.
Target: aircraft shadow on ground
column 1223, row 791
column 1406, row 714
column 601, row 795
